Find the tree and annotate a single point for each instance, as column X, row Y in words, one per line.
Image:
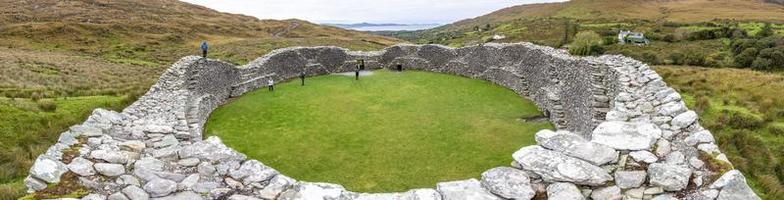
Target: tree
column 746, row 58
column 694, row 58
column 766, row 31
column 676, row 58
column 586, row 43
column 762, row 64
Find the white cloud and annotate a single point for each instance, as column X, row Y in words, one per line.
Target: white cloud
column 350, row 11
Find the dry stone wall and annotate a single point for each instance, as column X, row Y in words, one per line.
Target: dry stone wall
column 621, row 132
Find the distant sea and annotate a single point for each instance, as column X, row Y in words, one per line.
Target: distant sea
column 386, row 27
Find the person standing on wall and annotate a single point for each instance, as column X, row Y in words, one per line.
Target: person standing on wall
column 204, row 48
column 271, row 84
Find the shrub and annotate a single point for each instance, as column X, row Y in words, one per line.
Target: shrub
column 702, row 104
column 669, row 38
column 47, row 105
column 767, row 30
column 775, row 55
column 714, row 60
column 651, row 58
column 739, row 33
column 36, row 96
column 676, row 58
column 609, row 40
column 746, row 57
column 742, row 119
column 11, row 191
column 773, row 188
column 694, row 58
column 762, row 64
column 776, row 128
column 706, row 34
column 586, row 43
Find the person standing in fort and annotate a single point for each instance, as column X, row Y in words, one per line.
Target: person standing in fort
column 356, row 71
column 302, row 78
column 204, row 48
column 271, row 84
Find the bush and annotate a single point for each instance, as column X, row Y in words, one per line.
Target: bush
column 767, row 30
column 609, row 40
column 702, row 104
column 714, row 60
column 694, row 58
column 11, row 191
column 742, row 119
column 47, row 105
column 650, row 58
column 746, row 57
column 669, row 38
column 586, row 43
column 706, row 34
column 739, row 33
column 762, row 64
column 776, row 128
column 36, row 96
column 676, row 58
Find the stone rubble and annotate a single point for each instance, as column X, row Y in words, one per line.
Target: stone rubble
column 621, row 132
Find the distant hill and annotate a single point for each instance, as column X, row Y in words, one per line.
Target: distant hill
column 104, row 53
column 375, row 27
column 159, row 31
column 154, row 33
column 363, row 24
column 680, row 11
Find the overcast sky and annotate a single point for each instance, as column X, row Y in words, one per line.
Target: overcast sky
column 354, row 11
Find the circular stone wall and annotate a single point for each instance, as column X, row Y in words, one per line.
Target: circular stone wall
column 621, row 132
column 388, row 132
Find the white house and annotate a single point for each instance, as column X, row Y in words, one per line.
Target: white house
column 632, row 38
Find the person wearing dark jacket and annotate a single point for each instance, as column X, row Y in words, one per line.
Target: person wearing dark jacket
column 302, row 77
column 356, row 70
column 204, row 48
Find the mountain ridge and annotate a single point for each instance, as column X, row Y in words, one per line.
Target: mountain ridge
column 680, row 11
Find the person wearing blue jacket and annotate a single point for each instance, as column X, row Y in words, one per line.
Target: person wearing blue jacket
column 204, row 48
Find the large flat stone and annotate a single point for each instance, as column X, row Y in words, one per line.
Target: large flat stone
column 557, row 167
column 669, row 177
column 733, row 186
column 576, row 146
column 160, row 187
column 626, row 135
column 276, row 186
column 109, row 169
column 48, row 169
column 469, row 189
column 211, row 149
column 312, row 191
column 564, row 191
column 508, row 182
column 629, row 179
column 81, row 166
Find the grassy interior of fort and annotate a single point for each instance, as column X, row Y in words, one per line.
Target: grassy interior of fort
column 386, row 132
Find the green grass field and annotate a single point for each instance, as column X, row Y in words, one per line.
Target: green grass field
column 28, row 128
column 387, row 132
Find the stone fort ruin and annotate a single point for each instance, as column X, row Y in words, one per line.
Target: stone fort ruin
column 622, row 132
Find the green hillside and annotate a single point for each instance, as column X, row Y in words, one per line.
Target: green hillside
column 62, row 59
